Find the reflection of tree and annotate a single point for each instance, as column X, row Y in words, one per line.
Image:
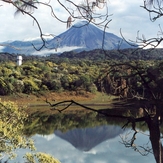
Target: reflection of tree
column 154, row 130
column 151, row 117
column 129, row 141
column 140, row 82
column 47, row 124
column 155, row 139
column 153, row 123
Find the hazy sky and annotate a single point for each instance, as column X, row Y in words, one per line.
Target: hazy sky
column 127, row 15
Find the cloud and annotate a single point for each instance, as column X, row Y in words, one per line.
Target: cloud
column 131, row 18
column 55, row 51
column 127, row 16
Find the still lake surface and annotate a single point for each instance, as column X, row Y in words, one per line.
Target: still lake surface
column 97, row 144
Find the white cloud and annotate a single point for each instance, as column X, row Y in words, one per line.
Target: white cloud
column 130, row 17
column 53, row 51
column 127, row 15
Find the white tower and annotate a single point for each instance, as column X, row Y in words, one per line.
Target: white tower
column 19, row 60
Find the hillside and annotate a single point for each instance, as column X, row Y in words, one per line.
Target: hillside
column 81, row 36
column 97, row 54
column 85, row 36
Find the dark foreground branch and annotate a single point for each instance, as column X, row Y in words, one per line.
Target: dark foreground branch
column 67, row 103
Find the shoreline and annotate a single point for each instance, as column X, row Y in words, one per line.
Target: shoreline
column 37, row 103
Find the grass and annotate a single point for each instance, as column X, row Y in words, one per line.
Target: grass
column 37, row 103
column 102, row 98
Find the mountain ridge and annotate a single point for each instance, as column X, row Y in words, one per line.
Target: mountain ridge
column 81, row 36
column 89, row 37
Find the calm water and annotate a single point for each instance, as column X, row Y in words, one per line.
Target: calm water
column 91, row 145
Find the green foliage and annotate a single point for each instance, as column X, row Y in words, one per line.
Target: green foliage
column 11, row 129
column 48, row 74
column 55, row 85
column 40, row 157
column 85, row 71
column 6, row 87
column 12, row 136
column 92, row 88
column 86, row 81
column 65, row 82
column 30, row 86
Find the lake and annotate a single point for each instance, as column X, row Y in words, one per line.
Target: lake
column 89, row 143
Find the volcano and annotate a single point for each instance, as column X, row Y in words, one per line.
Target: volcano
column 86, row 36
column 81, row 36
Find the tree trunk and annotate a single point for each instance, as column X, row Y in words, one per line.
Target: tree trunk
column 154, row 129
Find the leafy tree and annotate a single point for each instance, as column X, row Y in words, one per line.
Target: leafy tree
column 55, row 85
column 40, row 157
column 6, row 71
column 5, row 87
column 12, row 120
column 18, row 86
column 11, row 129
column 86, row 81
column 30, row 86
column 65, row 82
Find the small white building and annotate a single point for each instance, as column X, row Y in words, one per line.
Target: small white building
column 19, row 60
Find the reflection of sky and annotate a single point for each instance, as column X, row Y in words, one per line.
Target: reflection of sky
column 110, row 151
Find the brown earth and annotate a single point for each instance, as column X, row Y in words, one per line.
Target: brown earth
column 50, row 96
column 35, row 103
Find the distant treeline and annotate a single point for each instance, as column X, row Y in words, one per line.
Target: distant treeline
column 125, row 54
column 98, row 54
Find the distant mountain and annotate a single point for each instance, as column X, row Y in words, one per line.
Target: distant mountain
column 21, row 47
column 87, row 138
column 81, row 36
column 88, row 37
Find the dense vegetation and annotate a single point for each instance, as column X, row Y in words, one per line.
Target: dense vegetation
column 12, row 137
column 85, row 71
column 43, row 75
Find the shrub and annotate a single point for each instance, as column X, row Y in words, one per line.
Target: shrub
column 30, row 86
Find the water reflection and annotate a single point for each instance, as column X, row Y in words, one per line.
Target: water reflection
column 109, row 150
column 90, row 138
column 85, row 139
column 99, row 144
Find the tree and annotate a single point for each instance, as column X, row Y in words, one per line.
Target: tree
column 86, row 81
column 154, row 8
column 41, row 158
column 30, row 86
column 12, row 137
column 148, row 78
column 11, row 129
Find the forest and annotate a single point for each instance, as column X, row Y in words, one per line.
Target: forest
column 97, row 70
